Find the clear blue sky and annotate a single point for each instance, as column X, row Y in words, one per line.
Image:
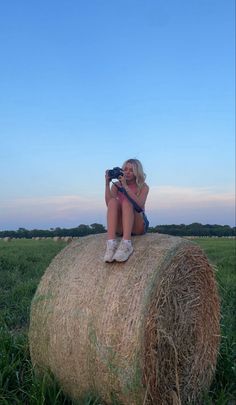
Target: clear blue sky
column 87, row 84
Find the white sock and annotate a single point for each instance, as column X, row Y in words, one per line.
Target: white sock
column 127, row 241
column 111, row 241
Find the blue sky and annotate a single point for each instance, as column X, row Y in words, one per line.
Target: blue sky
column 86, row 85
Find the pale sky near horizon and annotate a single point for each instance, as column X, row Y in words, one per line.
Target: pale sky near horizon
column 86, row 85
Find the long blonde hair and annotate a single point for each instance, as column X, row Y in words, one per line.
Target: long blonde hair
column 137, row 170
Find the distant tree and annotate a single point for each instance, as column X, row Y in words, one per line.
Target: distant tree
column 23, row 233
column 83, row 230
column 97, row 228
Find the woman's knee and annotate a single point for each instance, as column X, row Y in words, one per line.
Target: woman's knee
column 113, row 204
column 127, row 206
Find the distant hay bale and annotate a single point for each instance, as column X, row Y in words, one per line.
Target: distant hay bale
column 144, row 332
column 56, row 238
column 7, row 239
column 67, row 239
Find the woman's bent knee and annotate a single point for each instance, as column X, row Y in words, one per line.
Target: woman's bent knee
column 113, row 203
column 126, row 205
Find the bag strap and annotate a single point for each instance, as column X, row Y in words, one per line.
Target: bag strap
column 135, row 205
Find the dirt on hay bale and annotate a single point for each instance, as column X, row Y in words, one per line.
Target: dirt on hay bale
column 143, row 332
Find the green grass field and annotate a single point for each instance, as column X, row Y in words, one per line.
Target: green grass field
column 22, row 263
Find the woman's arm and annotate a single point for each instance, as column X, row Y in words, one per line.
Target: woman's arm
column 109, row 192
column 141, row 198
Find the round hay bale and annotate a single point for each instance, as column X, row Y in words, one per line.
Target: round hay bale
column 56, row 238
column 67, row 239
column 144, row 332
column 7, row 239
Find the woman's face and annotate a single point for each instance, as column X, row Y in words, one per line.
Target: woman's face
column 128, row 172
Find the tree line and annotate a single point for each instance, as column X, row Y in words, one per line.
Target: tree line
column 194, row 229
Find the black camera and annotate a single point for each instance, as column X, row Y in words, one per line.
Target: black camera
column 115, row 173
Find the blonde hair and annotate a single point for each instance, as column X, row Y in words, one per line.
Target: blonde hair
column 137, row 170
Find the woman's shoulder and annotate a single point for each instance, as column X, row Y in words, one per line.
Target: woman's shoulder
column 144, row 189
column 145, row 186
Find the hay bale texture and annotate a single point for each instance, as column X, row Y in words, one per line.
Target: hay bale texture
column 143, row 332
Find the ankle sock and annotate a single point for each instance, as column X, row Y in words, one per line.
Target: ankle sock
column 127, row 241
column 111, row 242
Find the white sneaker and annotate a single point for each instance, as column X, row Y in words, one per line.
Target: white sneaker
column 110, row 251
column 123, row 252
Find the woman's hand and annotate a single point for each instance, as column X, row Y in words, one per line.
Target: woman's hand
column 122, row 181
column 107, row 178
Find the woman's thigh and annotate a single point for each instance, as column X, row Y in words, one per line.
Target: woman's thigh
column 119, row 229
column 138, row 227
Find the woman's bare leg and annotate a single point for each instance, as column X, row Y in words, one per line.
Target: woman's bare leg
column 138, row 228
column 130, row 223
column 113, row 212
column 125, row 248
column 127, row 219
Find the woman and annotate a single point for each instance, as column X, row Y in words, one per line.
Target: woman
column 122, row 218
